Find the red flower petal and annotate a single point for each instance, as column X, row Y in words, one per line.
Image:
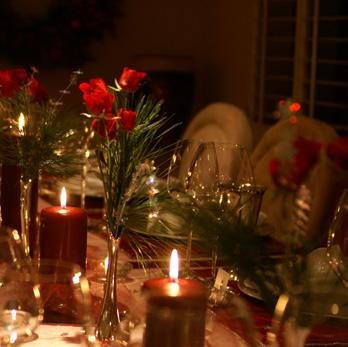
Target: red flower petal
column 11, row 81
column 96, row 96
column 130, row 79
column 127, row 119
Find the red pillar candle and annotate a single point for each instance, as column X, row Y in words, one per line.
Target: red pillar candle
column 176, row 311
column 63, row 233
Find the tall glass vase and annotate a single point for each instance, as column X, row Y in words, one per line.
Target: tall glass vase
column 25, row 208
column 29, row 193
column 109, row 323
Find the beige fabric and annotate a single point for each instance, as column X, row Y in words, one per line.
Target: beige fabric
column 323, row 181
column 221, row 122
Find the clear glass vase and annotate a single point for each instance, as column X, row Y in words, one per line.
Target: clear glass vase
column 109, row 325
column 25, row 207
column 28, row 215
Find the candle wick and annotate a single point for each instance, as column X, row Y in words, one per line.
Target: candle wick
column 173, row 280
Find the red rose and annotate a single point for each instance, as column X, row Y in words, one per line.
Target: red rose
column 338, row 152
column 130, row 79
column 105, row 127
column 127, row 119
column 291, row 173
column 11, row 81
column 96, row 96
column 37, row 92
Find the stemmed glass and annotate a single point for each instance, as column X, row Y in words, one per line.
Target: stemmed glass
column 240, row 198
column 66, row 297
column 180, row 166
column 177, row 183
column 337, row 246
column 20, row 305
column 236, row 183
column 203, row 185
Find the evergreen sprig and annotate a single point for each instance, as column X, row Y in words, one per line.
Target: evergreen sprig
column 129, row 127
column 119, row 158
column 50, row 139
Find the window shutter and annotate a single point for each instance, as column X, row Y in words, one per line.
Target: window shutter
column 303, row 54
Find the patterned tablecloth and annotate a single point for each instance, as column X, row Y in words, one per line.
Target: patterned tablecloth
column 221, row 327
column 129, row 286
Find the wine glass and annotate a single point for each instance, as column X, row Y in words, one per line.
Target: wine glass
column 66, row 297
column 337, row 245
column 240, row 197
column 203, row 175
column 179, row 167
column 177, row 183
column 203, row 185
column 20, row 305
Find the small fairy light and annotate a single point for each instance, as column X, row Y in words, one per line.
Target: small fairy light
column 288, row 109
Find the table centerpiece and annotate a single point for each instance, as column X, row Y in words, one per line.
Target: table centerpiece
column 128, row 127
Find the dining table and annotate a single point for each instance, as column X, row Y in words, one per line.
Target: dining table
column 224, row 326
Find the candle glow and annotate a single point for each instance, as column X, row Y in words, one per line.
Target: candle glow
column 184, row 302
column 63, row 232
column 174, row 265
column 174, row 287
column 21, row 123
column 63, row 198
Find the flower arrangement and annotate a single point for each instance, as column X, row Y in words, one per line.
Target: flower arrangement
column 292, row 169
column 290, row 172
column 129, row 128
column 46, row 142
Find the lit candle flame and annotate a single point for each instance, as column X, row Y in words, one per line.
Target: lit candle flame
column 63, row 198
column 174, row 265
column 21, row 123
